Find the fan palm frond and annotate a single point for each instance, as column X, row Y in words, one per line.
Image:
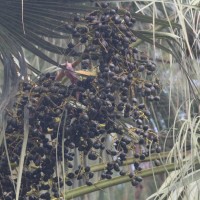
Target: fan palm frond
column 25, row 24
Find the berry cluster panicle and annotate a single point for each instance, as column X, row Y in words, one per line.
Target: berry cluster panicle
column 64, row 120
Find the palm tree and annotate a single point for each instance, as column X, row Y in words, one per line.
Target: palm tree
column 30, row 26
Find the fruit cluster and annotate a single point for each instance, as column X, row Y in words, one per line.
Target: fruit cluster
column 64, row 120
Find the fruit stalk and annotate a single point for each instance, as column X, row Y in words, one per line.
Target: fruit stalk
column 117, row 180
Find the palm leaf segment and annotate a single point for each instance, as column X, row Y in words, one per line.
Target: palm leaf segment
column 25, row 24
